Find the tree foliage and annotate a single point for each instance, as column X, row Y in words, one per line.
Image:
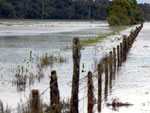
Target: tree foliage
column 133, row 3
column 126, row 11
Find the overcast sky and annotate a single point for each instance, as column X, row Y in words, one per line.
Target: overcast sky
column 143, row 1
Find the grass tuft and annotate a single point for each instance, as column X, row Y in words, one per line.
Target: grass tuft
column 50, row 60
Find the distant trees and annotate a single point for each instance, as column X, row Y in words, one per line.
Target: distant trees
column 54, row 9
column 6, row 10
column 120, row 11
column 125, row 12
column 146, row 9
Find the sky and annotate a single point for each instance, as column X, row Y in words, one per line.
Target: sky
column 143, row 1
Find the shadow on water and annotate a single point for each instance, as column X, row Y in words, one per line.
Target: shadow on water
column 116, row 104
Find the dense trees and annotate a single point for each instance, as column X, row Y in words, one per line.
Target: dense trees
column 125, row 12
column 54, row 9
column 120, row 11
column 146, row 8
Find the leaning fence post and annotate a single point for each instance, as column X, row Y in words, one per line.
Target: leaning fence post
column 76, row 73
column 54, row 91
column 90, row 93
column 100, row 87
column 35, row 104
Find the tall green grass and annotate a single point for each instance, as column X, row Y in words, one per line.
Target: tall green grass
column 97, row 39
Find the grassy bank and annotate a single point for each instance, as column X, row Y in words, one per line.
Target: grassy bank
column 97, row 39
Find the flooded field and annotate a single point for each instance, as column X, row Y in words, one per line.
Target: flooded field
column 132, row 80
column 19, row 38
column 23, row 43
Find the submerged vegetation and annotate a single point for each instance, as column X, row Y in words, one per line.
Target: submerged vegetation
column 25, row 77
column 63, row 107
column 4, row 109
column 32, row 70
column 51, row 59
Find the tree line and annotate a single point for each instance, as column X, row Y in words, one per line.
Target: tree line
column 146, row 9
column 53, row 9
column 73, row 9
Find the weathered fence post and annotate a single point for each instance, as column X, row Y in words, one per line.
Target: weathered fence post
column 118, row 55
column 130, row 41
column 124, row 48
column 35, row 104
column 91, row 101
column 106, row 78
column 76, row 73
column 54, row 92
column 100, row 87
column 110, row 68
column 121, row 53
column 114, row 59
column 131, row 37
column 127, row 44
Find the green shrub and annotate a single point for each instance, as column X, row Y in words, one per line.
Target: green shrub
column 113, row 20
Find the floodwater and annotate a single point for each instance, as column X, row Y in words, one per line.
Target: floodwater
column 132, row 80
column 18, row 38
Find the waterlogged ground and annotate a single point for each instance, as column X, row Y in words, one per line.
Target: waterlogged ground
column 132, row 81
column 17, row 39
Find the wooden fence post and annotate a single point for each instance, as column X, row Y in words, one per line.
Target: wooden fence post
column 35, row 104
column 121, row 53
column 127, row 44
column 130, row 42
column 54, row 92
column 114, row 59
column 124, row 49
column 76, row 73
column 91, row 101
column 106, row 78
column 110, row 68
column 100, row 87
column 131, row 37
column 118, row 55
